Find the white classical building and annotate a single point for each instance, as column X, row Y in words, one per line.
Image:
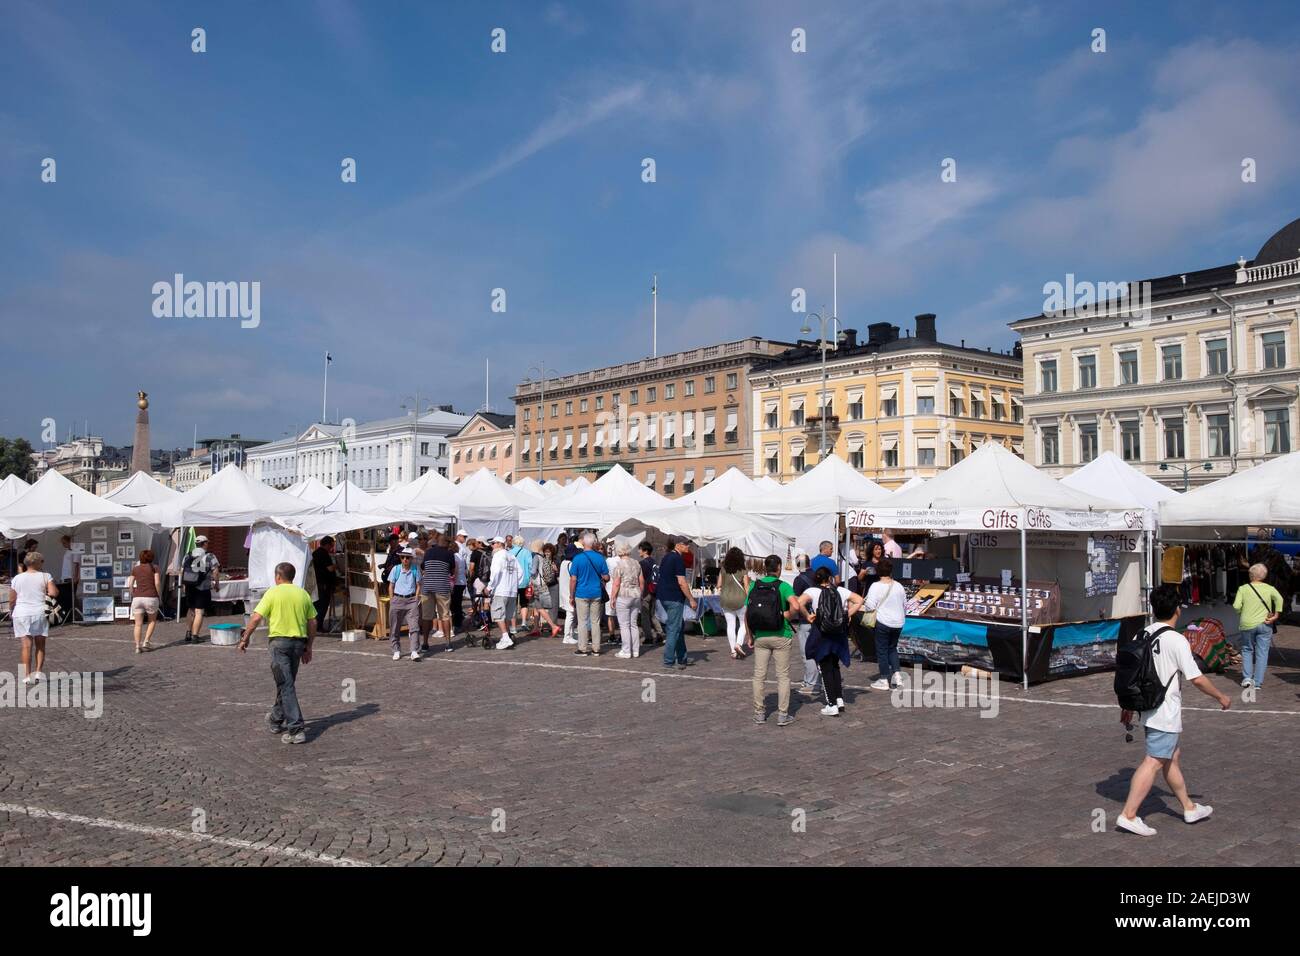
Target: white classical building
column 379, row 455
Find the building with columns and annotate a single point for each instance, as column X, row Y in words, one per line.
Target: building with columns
column 380, row 454
column 1189, row 380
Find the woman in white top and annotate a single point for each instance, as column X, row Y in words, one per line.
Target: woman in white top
column 626, row 584
column 733, row 588
column 27, row 594
column 566, row 603
column 829, row 649
column 889, row 600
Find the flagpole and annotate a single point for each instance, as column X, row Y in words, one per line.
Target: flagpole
column 324, row 416
column 654, row 321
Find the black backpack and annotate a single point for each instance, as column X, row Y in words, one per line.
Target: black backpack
column 831, row 620
column 765, row 611
column 1137, row 685
column 190, row 574
column 484, row 566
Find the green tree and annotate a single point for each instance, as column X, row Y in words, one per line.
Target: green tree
column 15, row 457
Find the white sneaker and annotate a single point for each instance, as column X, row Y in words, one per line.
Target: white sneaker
column 839, row 702
column 1134, row 826
column 415, row 655
column 397, row 655
column 636, row 653
column 569, row 640
column 623, row 654
column 438, row 633
column 879, row 684
column 1247, row 682
column 505, row 644
column 897, row 679
column 1199, row 812
column 830, row 710
column 29, row 679
column 38, row 677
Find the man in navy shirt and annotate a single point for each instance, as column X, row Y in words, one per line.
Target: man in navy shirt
column 673, row 591
column 651, row 630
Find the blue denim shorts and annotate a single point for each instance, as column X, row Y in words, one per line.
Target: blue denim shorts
column 1161, row 744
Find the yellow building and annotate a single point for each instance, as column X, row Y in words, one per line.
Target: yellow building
column 895, row 408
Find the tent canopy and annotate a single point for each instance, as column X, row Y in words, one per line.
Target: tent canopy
column 12, row 487
column 1109, row 476
column 228, row 499
column 55, row 502
column 832, row 486
column 141, row 489
column 348, row 497
column 1265, row 496
column 312, row 489
column 428, row 497
column 611, row 498
column 732, row 484
column 706, row 526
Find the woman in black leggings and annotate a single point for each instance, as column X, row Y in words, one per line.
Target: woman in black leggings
column 829, row 650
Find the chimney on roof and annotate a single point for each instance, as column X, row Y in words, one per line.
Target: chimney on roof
column 850, row 338
column 879, row 333
column 925, row 327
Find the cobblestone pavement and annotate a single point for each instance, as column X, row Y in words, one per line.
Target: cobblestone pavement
column 574, row 766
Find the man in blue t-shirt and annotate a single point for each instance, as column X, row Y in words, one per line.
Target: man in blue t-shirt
column 588, row 573
column 673, row 591
column 824, row 560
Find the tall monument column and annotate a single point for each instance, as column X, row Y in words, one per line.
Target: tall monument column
column 140, row 451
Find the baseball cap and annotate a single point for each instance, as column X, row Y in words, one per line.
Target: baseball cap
column 498, row 540
column 201, row 539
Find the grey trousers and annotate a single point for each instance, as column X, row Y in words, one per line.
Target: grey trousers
column 404, row 610
column 812, row 675
column 587, row 611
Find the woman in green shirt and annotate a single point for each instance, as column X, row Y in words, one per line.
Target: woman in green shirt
column 1259, row 606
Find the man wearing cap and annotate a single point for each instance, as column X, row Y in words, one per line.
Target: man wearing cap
column 391, row 560
column 404, row 604
column 503, row 586
column 673, row 591
column 199, row 574
column 458, row 586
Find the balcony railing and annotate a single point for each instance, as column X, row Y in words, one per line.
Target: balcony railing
column 1271, row 270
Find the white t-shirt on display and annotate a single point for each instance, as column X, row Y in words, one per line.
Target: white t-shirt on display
column 1173, row 656
column 30, row 586
column 889, row 601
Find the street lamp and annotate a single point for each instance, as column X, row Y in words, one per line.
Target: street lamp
column 540, row 369
column 415, row 432
column 297, row 434
column 1185, row 469
column 822, row 343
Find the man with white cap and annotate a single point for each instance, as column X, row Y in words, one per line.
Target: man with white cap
column 199, row 573
column 503, row 586
column 404, row 605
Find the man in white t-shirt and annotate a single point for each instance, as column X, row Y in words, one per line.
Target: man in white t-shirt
column 1173, row 658
column 69, row 572
column 892, row 548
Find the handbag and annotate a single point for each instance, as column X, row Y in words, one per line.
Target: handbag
column 1267, row 608
column 869, row 617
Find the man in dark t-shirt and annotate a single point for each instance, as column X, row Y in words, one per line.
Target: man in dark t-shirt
column 673, row 591
column 327, row 579
column 652, row 632
column 437, row 574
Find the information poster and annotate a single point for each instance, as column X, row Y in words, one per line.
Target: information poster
column 1102, row 576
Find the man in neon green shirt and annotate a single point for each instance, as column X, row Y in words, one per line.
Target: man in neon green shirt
column 769, row 596
column 291, row 624
column 1260, row 605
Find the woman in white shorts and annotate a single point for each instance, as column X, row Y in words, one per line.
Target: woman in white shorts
column 146, row 587
column 27, row 594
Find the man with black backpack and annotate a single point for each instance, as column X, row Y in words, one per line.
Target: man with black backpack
column 199, row 573
column 1147, row 669
column 770, row 609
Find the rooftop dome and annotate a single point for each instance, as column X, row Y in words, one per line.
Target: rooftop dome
column 1282, row 246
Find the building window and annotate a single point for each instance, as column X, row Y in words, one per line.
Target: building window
column 732, row 434
column 493, row 452
column 600, row 402
column 1274, row 349
column 634, row 396
column 999, row 410
column 797, row 461
column 555, row 409
column 568, row 408
column 1171, row 362
column 651, row 393
column 956, row 406
column 1051, row 446
column 1047, row 375
column 615, row 398
column 710, row 386
column 1128, row 367
column 1219, row 434
column 855, row 408
column 925, row 404
column 670, row 482
column 690, row 388
column 1216, row 357
column 528, row 414
column 773, row 419
column 670, row 390
column 925, row 457
column 889, row 457
column 796, row 414
column 889, row 406
column 1277, row 431
column 1087, row 442
column 1017, row 410
column 688, row 482
column 956, row 454
column 1087, row 371
column 976, row 407
column 1130, row 440
column 731, row 380
column 773, row 463
column 1175, row 448
column 710, row 438
column 582, row 405
column 858, row 458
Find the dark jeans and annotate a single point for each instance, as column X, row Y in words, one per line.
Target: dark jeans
column 66, row 598
column 675, row 642
column 887, row 649
column 322, row 608
column 832, row 678
column 286, row 652
column 650, row 626
column 457, row 614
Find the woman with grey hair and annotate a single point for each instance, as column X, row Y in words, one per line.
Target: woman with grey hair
column 27, row 594
column 626, row 585
column 1258, row 605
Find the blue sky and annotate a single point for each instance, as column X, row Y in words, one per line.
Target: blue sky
column 522, row 171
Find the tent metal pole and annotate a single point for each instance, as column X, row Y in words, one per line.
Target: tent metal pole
column 1024, row 608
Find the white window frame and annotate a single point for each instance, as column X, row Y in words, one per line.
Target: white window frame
column 1038, row 372
column 1118, row 367
column 1075, row 354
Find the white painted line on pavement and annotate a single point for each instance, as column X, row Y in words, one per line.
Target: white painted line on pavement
column 445, row 658
column 311, row 856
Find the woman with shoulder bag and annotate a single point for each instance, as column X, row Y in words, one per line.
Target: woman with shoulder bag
column 735, row 593
column 888, row 599
column 544, row 573
column 1259, row 606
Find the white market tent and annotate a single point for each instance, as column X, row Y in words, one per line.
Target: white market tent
column 12, row 487
column 229, row 499
column 55, row 502
column 347, row 497
column 914, row 482
column 1265, row 496
column 723, row 491
column 996, row 491
column 767, row 483
column 705, row 526
column 486, row 506
column 427, row 498
column 1109, row 476
column 141, row 489
column 611, row 498
column 312, row 489
column 535, row 489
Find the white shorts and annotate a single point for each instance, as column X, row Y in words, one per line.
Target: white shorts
column 31, row 625
column 144, row 607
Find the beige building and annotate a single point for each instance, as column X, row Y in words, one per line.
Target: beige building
column 487, row 440
column 1189, row 378
column 674, row 421
column 894, row 407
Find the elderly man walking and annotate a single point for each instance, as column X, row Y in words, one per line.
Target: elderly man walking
column 291, row 623
column 404, row 604
column 588, row 573
column 503, row 586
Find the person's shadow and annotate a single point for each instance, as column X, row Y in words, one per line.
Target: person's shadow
column 315, row 728
column 1159, row 800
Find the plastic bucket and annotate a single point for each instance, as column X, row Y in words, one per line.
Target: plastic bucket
column 224, row 635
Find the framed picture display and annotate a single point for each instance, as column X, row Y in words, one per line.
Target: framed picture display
column 104, row 561
column 125, row 598
column 121, row 551
column 119, row 581
column 97, row 610
column 105, row 587
column 90, row 587
column 99, row 547
column 128, row 552
column 99, row 533
column 87, row 572
column 121, row 567
column 78, row 547
column 125, row 537
column 122, row 613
